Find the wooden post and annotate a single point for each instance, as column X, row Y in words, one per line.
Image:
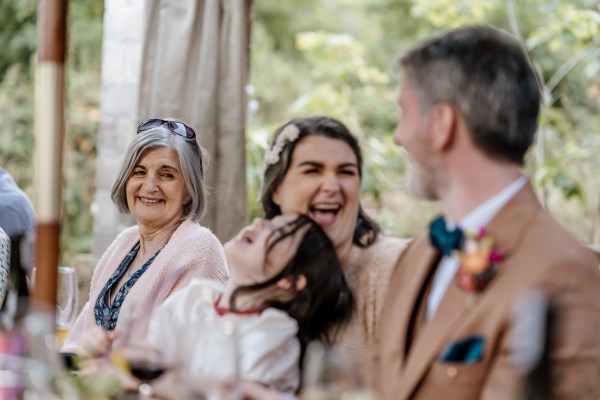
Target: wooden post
column 49, row 133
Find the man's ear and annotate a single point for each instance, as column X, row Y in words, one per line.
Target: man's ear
column 286, row 283
column 444, row 125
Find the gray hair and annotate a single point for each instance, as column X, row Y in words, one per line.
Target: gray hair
column 190, row 160
column 486, row 74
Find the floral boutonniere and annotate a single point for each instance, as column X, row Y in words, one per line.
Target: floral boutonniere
column 477, row 261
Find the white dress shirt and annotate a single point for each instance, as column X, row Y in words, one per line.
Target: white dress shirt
column 473, row 221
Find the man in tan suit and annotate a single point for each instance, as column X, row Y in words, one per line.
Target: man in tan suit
column 454, row 326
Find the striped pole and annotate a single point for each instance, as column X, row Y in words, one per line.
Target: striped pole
column 49, row 133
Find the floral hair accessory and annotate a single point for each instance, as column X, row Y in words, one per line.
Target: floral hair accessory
column 478, row 261
column 289, row 134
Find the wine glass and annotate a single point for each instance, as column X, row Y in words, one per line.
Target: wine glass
column 146, row 364
column 332, row 373
column 66, row 302
column 134, row 355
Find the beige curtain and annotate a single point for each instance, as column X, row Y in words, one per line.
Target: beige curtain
column 194, row 67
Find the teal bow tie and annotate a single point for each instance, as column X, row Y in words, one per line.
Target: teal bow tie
column 443, row 239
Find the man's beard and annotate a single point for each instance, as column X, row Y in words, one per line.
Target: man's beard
column 421, row 181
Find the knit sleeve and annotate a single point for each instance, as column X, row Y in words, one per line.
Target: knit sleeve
column 385, row 256
column 72, row 341
column 201, row 256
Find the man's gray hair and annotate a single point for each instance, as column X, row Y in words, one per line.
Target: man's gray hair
column 486, row 74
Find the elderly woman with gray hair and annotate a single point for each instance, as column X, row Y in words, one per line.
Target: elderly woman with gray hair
column 161, row 185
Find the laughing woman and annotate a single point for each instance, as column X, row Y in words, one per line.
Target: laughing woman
column 161, row 185
column 314, row 167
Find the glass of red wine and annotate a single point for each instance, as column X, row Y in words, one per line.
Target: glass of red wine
column 146, row 365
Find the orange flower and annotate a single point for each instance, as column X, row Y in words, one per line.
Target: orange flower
column 477, row 261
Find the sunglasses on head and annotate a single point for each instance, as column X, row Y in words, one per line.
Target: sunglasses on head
column 177, row 127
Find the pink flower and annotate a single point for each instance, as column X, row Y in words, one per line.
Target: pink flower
column 495, row 256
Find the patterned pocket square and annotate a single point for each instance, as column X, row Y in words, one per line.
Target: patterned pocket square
column 467, row 351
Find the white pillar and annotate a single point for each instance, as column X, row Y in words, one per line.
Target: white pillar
column 121, row 56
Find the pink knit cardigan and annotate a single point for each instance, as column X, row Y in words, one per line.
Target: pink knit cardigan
column 192, row 252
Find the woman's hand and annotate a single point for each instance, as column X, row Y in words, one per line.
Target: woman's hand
column 96, row 342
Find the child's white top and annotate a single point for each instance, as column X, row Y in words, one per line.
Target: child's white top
column 190, row 333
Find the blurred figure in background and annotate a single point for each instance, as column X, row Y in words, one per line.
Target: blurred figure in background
column 17, row 217
column 161, row 185
column 4, row 263
column 470, row 103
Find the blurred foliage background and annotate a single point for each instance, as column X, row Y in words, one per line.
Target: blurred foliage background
column 336, row 58
column 18, row 37
column 333, row 58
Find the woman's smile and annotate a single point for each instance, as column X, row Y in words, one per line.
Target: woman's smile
column 149, row 201
column 323, row 181
column 324, row 213
column 156, row 191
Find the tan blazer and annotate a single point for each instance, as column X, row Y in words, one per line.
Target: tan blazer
column 537, row 252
